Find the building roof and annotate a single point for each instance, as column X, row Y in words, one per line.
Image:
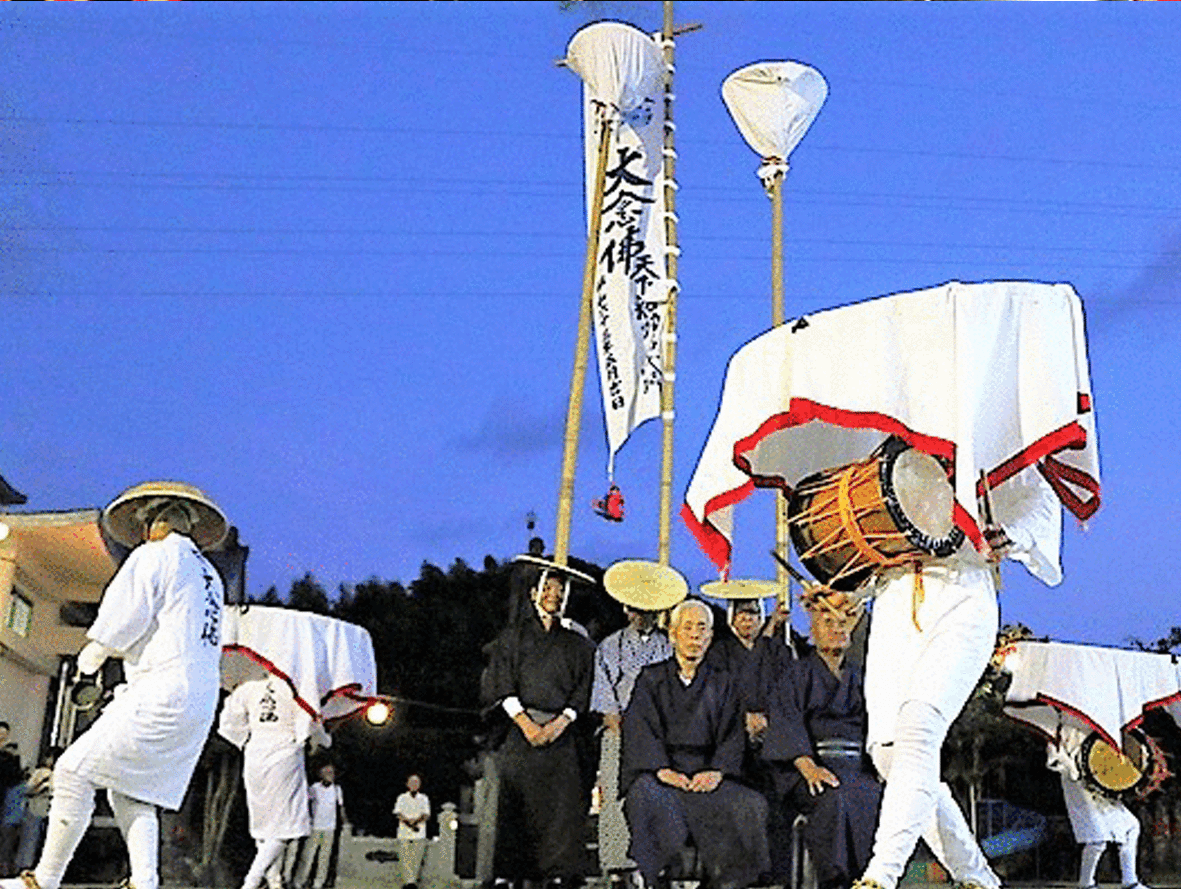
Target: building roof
column 59, row 554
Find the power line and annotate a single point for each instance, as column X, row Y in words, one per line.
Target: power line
column 358, row 129
column 713, row 194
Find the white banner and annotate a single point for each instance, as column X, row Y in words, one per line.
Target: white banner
column 623, row 71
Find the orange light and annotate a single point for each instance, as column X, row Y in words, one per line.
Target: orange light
column 377, row 713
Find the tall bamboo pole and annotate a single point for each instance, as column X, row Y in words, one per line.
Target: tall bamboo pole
column 581, row 349
column 775, row 192
column 671, row 255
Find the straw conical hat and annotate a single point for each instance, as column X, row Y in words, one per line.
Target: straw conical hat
column 552, row 566
column 645, row 586
column 741, row 589
column 123, row 518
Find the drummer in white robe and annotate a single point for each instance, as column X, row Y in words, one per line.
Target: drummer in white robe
column 262, row 718
column 1095, row 819
column 161, row 614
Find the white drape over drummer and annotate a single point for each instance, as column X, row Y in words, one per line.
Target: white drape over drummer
column 997, row 380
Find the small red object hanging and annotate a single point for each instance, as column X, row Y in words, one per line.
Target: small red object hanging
column 611, row 506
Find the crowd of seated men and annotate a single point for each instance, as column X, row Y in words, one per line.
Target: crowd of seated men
column 732, row 737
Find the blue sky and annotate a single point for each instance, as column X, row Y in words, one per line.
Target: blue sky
column 323, row 260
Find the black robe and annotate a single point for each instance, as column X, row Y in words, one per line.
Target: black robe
column 690, row 729
column 808, row 705
column 541, row 813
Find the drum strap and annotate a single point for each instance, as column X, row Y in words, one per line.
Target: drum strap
column 917, row 597
column 849, row 522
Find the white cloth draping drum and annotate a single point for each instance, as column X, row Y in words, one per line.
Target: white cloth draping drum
column 1089, row 686
column 990, row 376
column 328, row 664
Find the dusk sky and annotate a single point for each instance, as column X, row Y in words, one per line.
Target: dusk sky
column 323, row 260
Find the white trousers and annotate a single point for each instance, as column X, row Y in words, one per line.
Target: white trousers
column 267, row 864
column 318, row 848
column 410, row 854
column 69, row 816
column 923, row 660
column 614, row 836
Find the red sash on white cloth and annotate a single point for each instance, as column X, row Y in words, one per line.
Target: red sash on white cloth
column 991, row 376
column 328, row 663
column 1100, row 689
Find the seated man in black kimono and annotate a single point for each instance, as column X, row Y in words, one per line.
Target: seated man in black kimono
column 815, row 742
column 540, row 674
column 682, row 752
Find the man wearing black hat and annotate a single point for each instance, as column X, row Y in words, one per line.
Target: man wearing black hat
column 540, row 675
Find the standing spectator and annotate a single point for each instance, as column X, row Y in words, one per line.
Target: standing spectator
column 162, row 614
column 540, row 675
column 260, row 717
column 40, row 792
column 10, row 776
column 12, row 813
column 326, row 801
column 413, row 809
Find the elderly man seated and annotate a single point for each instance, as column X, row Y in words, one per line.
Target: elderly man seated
column 815, row 742
column 682, row 751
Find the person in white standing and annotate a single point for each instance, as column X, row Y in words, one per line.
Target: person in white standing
column 412, row 809
column 260, row 717
column 1095, row 819
column 326, row 798
column 161, row 614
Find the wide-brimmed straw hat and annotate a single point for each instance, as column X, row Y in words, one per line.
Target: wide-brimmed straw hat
column 125, row 516
column 645, row 586
column 742, row 589
column 552, row 567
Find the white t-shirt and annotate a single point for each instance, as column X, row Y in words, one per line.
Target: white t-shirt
column 415, row 806
column 325, row 798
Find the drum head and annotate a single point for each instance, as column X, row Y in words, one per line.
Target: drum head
column 923, row 492
column 1113, row 771
column 922, row 501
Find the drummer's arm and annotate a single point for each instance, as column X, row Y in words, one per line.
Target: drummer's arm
column 1033, row 536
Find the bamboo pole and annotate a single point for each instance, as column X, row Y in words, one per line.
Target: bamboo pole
column 669, row 358
column 775, row 192
column 581, row 350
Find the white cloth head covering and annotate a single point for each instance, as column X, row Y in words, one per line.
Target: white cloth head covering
column 773, row 105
